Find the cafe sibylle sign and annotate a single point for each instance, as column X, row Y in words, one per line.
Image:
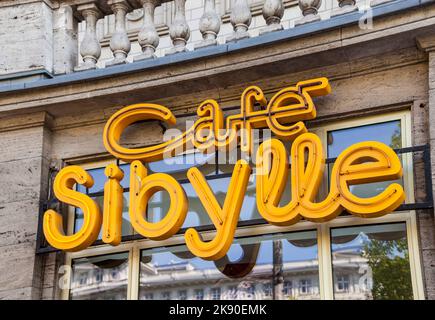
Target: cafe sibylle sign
column 283, row 114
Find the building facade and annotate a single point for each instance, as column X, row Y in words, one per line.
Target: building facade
column 67, row 66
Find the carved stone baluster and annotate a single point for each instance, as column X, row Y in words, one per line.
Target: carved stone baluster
column 90, row 48
column 240, row 19
column 179, row 30
column 310, row 10
column 119, row 43
column 148, row 37
column 209, row 24
column 273, row 10
column 345, row 6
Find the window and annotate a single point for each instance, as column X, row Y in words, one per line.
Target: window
column 149, row 296
column 84, row 289
column 312, row 261
column 83, row 278
column 199, row 294
column 389, row 133
column 377, row 256
column 215, row 293
column 96, row 193
column 267, row 289
column 170, row 266
column 343, row 283
column 182, row 295
column 305, row 286
column 232, row 292
column 287, row 288
column 99, row 275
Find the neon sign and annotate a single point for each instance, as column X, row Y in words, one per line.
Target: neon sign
column 284, row 114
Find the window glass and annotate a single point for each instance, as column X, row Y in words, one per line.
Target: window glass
column 101, row 277
column 127, row 228
column 177, row 166
column 389, row 133
column 96, row 193
column 254, row 268
column 371, row 262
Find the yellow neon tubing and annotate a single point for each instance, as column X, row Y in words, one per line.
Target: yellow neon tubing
column 224, row 218
column 53, row 221
column 351, row 167
column 291, row 106
column 113, row 205
column 142, row 188
column 385, row 165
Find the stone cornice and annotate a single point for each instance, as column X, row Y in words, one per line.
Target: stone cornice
column 426, row 42
column 30, row 120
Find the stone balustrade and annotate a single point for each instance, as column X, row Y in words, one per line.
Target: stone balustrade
column 113, row 32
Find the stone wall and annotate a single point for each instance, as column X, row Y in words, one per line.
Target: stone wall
column 24, row 162
column 26, row 36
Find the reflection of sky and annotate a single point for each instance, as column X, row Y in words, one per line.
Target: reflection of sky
column 181, row 163
column 381, row 132
column 341, row 139
column 363, row 239
column 290, row 253
column 196, row 215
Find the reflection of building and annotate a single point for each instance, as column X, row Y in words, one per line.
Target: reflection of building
column 90, row 281
column 180, row 280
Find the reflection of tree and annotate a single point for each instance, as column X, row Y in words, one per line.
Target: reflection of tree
column 389, row 261
column 396, row 139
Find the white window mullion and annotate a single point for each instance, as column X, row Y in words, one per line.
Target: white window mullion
column 325, row 266
column 134, row 266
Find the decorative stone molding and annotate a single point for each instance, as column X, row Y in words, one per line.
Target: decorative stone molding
column 273, row 10
column 310, row 11
column 255, row 6
column 119, row 43
column 148, row 37
column 90, row 48
column 209, row 24
column 344, row 6
column 240, row 18
column 134, row 21
column 179, row 30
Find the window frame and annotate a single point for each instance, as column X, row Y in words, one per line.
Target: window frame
column 326, row 283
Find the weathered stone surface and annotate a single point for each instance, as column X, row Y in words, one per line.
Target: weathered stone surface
column 18, row 222
column 17, row 267
column 76, row 142
column 428, row 256
column 26, row 28
column 21, row 144
column 16, row 294
column 21, row 180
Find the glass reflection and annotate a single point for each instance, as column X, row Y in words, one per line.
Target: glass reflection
column 127, row 228
column 100, row 278
column 196, row 216
column 389, row 133
column 371, row 262
column 96, row 193
column 255, row 268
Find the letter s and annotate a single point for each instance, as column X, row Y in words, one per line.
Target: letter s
column 53, row 221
